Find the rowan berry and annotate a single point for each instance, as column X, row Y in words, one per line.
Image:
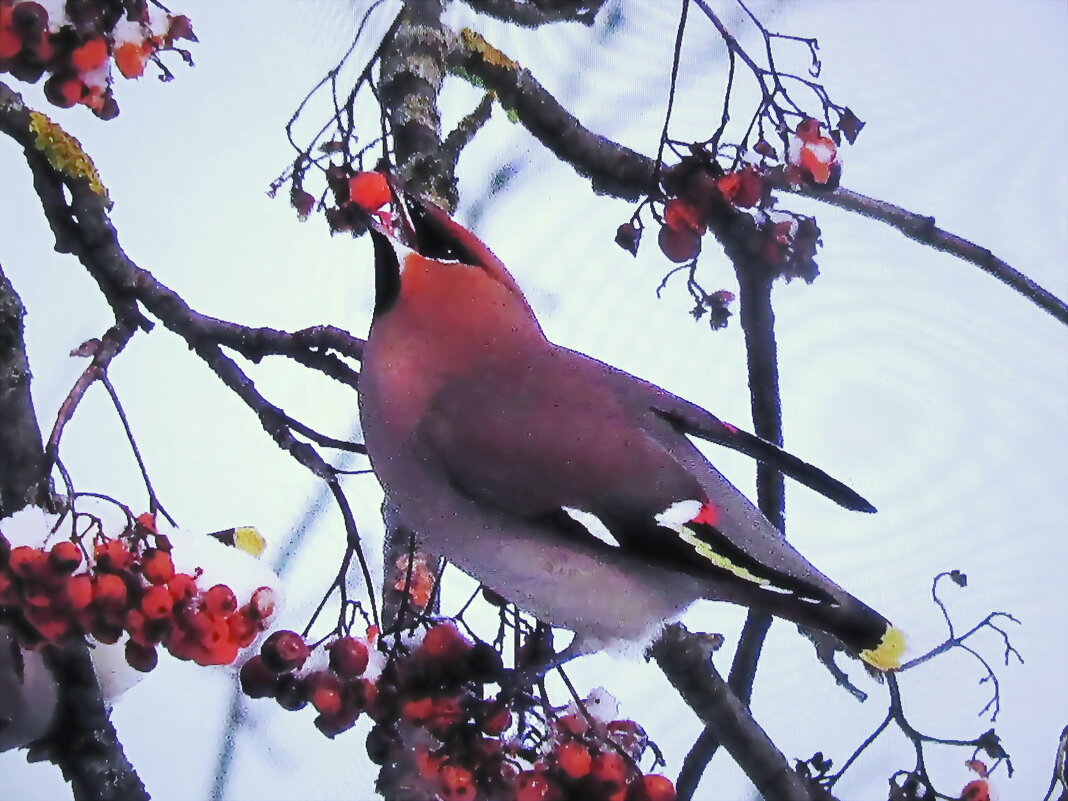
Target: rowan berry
column 284, row 650
column 348, row 657
column 65, row 557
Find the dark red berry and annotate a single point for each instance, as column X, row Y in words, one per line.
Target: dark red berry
column 284, row 650
column 292, row 692
column 348, row 657
column 257, row 680
column 139, row 657
column 65, row 557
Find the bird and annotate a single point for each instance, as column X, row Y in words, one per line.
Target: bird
column 565, row 485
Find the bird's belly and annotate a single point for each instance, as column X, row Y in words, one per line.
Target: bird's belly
column 606, row 602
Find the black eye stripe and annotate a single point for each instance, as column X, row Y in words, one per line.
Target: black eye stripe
column 436, row 242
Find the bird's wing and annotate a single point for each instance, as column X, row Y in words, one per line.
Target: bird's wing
column 553, row 441
column 690, row 419
column 534, row 435
column 554, row 438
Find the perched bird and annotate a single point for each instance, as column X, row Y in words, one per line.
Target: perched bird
column 565, row 485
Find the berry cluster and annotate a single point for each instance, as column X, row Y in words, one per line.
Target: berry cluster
column 436, row 734
column 700, row 194
column 589, row 758
column 127, row 585
column 78, row 42
column 336, row 689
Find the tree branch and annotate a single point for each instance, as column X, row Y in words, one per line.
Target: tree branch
column 611, row 168
column 923, row 230
column 82, row 740
column 531, row 15
column 22, row 462
column 685, row 661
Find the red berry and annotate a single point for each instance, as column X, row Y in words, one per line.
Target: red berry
column 573, row 724
column 79, row 591
column 369, row 190
column 65, row 557
column 157, row 566
column 652, row 787
column 109, row 592
column 219, row 601
column 348, row 657
column 262, row 603
column 112, row 556
column 220, row 652
column 610, row 770
column 130, row 59
column 243, row 629
column 257, row 680
column 26, row 561
column 447, row 713
column 182, row 587
column 418, row 710
column 497, row 722
column 50, row 623
column 324, row 688
column 10, row 42
column 444, row 643
column 532, row 786
column 29, row 19
column 678, row 244
column 456, row 783
column 146, row 521
column 284, row 650
column 680, row 215
column 157, row 603
column 140, row 657
column 573, row 758
column 90, row 55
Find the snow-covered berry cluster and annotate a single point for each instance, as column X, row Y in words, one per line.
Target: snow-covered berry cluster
column 81, row 44
column 126, row 585
column 437, row 733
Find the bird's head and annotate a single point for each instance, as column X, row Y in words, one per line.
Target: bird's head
column 406, row 228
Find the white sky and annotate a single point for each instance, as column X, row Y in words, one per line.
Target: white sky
column 935, row 391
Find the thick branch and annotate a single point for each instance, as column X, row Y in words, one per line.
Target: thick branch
column 530, row 15
column 82, row 741
column 22, row 462
column 611, row 168
column 412, row 68
column 685, row 661
column 82, row 227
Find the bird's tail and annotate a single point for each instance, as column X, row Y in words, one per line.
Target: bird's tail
column 860, row 628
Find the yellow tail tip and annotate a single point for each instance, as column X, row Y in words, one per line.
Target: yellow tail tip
column 887, row 654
